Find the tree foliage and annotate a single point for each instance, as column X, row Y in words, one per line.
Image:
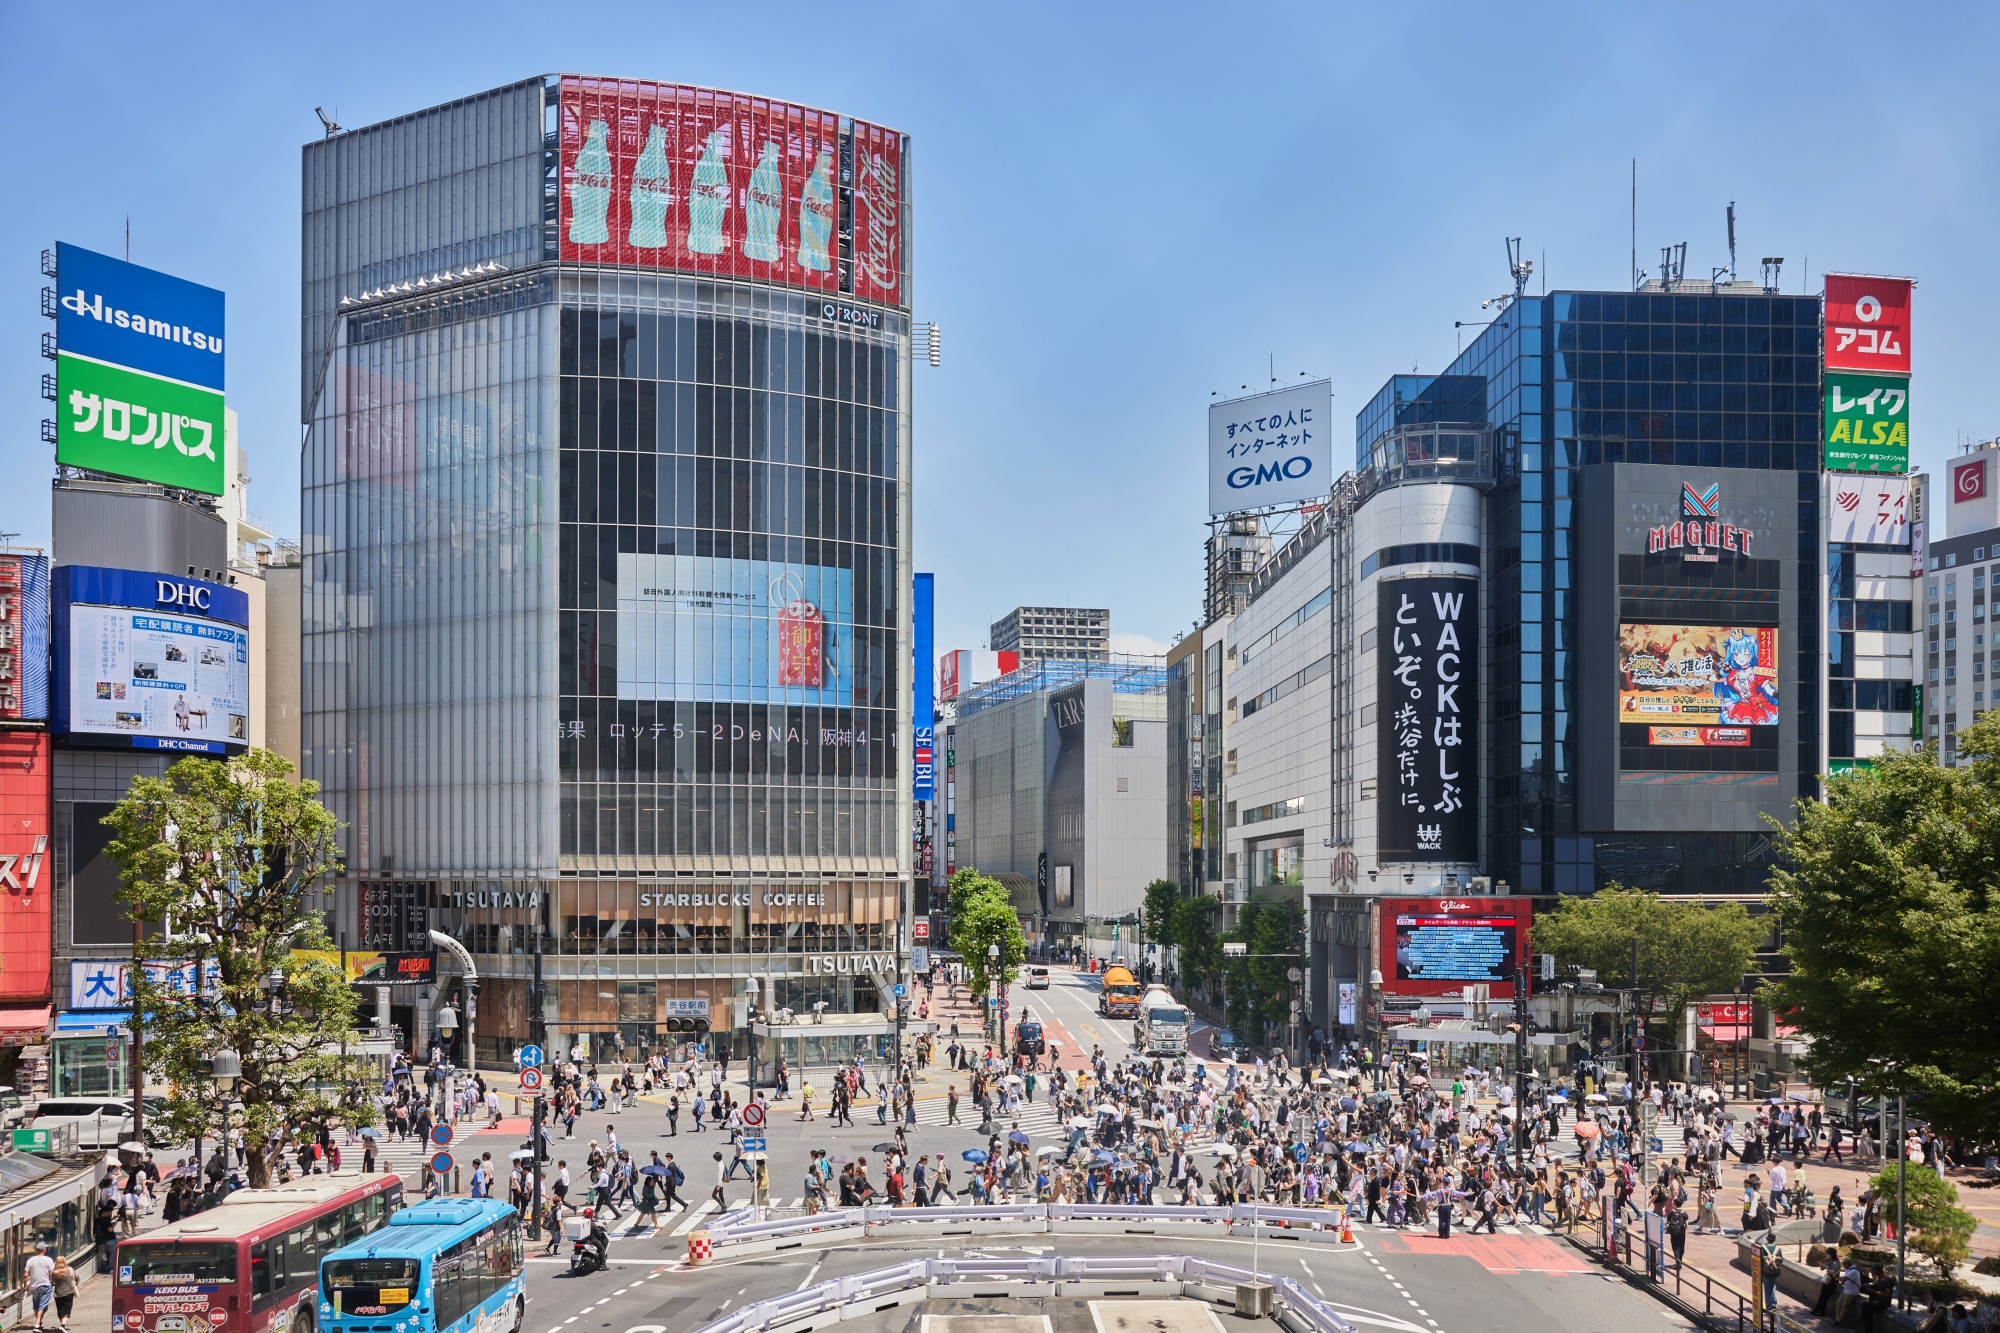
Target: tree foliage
column 1163, row 898
column 1939, row 1229
column 1199, row 941
column 982, row 913
column 1686, row 950
column 1892, row 928
column 225, row 856
column 1259, row 989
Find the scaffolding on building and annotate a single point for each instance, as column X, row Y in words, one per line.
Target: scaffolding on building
column 1129, row 673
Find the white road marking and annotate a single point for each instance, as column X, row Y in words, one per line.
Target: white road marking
column 813, row 1272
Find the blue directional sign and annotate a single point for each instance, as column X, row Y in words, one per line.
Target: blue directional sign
column 531, row 1057
column 901, row 990
column 751, row 1144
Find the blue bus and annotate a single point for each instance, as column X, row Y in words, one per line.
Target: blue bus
column 443, row 1266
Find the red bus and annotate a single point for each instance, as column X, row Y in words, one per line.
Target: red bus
column 250, row 1264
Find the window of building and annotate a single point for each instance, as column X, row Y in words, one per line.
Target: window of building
column 1278, row 865
column 1121, row 734
column 1257, row 814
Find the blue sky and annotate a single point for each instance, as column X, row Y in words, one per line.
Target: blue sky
column 1119, row 208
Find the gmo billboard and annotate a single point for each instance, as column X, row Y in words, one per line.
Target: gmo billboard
column 150, row 661
column 139, row 372
column 670, row 177
column 1271, row 448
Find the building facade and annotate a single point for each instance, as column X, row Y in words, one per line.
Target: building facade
column 1049, row 633
column 606, row 548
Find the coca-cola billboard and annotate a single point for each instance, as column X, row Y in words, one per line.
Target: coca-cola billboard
column 670, row 177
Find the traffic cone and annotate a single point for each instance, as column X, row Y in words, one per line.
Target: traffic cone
column 1346, row 1228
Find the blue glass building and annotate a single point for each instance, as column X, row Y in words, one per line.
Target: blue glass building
column 1601, row 403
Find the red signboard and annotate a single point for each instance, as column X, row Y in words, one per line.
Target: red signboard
column 26, row 877
column 1434, row 946
column 1868, row 323
column 1968, row 480
column 920, row 929
column 670, row 177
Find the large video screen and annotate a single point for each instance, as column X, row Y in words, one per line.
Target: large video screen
column 179, row 681
column 710, row 630
column 1702, row 682
column 1458, row 947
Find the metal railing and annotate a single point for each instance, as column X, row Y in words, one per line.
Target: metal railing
column 1297, row 1309
column 1632, row 1251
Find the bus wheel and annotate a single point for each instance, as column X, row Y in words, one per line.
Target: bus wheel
column 302, row 1322
column 520, row 1312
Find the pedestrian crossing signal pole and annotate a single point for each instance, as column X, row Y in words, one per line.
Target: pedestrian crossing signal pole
column 1520, row 1064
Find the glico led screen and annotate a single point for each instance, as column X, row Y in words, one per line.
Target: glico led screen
column 1696, row 679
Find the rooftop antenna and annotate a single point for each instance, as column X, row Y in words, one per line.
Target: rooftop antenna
column 1732, row 240
column 332, row 125
column 1637, row 277
column 1518, row 269
column 1771, row 264
column 1673, row 265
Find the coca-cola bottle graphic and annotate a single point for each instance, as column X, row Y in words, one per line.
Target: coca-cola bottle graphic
column 652, row 191
column 590, row 189
column 708, row 197
column 763, row 206
column 816, row 216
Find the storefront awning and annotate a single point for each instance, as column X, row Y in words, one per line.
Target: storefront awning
column 75, row 1022
column 1725, row 1033
column 18, row 1026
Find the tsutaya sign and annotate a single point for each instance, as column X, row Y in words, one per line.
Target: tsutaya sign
column 850, row 964
column 1700, row 532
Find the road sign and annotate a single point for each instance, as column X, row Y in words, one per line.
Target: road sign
column 441, row 1162
column 753, row 1114
column 753, row 1143
column 901, row 990
column 920, row 958
column 531, row 1057
column 920, row 930
column 441, row 1135
column 531, row 1080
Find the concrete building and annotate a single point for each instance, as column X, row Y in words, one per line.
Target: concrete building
column 1953, row 601
column 1048, row 633
column 1060, row 776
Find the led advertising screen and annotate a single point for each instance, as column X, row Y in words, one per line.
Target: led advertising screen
column 1697, row 676
column 139, row 372
column 1435, row 945
column 671, row 177
column 151, row 662
column 707, row 629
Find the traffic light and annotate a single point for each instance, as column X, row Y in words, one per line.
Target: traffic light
column 1114, row 932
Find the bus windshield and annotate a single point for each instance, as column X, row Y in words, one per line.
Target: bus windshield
column 370, row 1286
column 173, row 1263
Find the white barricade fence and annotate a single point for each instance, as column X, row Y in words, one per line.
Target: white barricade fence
column 736, row 1233
column 860, row 1293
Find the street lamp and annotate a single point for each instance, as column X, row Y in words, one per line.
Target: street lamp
column 225, row 1067
column 1375, row 1002
column 1294, row 975
column 750, row 1026
column 993, row 995
column 447, row 1023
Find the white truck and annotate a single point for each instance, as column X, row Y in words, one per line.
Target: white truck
column 1162, row 1025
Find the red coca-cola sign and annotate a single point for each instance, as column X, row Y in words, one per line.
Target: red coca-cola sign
column 664, row 176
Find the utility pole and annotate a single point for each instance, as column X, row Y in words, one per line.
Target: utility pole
column 1902, row 1162
column 538, row 1034
column 1520, row 1063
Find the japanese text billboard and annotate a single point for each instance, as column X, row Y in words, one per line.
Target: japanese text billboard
column 707, row 629
column 1427, row 738
column 670, row 177
column 1434, row 945
column 139, row 372
column 1697, row 676
column 1867, row 422
column 1868, row 511
column 151, row 661
column 1271, row 448
column 26, row 875
column 1867, row 324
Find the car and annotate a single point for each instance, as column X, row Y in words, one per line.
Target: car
column 1038, row 978
column 101, row 1122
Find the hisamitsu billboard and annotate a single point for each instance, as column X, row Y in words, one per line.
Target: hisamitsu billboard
column 138, row 318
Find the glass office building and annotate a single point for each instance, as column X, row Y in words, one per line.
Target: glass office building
column 1646, row 392
column 606, row 541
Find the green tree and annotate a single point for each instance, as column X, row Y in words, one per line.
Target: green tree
column 1198, row 940
column 228, row 856
column 1892, row 929
column 982, row 913
column 1940, row 1230
column 1257, row 988
column 1686, row 950
column 1163, row 897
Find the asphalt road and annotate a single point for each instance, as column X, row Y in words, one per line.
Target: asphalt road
column 1400, row 1283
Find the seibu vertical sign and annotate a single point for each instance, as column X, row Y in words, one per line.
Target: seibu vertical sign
column 1427, row 742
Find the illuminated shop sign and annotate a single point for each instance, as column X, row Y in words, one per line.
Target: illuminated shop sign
column 1700, row 532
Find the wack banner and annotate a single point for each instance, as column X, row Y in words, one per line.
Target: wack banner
column 1427, row 739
